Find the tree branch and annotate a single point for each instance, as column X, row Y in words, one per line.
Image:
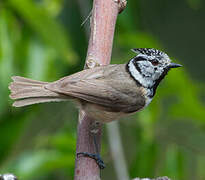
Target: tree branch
column 104, row 15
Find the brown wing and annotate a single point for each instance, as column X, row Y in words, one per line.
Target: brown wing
column 108, row 86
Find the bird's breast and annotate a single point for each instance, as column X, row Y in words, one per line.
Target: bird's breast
column 102, row 115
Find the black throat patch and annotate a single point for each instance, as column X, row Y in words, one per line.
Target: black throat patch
column 156, row 84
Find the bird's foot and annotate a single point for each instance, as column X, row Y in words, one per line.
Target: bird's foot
column 96, row 157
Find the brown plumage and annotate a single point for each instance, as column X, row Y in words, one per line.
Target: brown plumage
column 106, row 92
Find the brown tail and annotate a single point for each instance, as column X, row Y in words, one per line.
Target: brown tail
column 26, row 92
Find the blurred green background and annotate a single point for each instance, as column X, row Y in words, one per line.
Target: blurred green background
column 44, row 40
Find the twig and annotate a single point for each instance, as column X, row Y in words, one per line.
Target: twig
column 104, row 15
column 84, row 7
column 117, row 151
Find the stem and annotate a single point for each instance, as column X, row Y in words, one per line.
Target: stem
column 104, row 15
column 117, row 151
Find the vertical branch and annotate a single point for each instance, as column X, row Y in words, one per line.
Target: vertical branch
column 104, row 15
column 117, row 151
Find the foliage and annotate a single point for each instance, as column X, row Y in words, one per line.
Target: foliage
column 44, row 40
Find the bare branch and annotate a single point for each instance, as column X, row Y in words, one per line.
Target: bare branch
column 104, row 15
column 117, row 151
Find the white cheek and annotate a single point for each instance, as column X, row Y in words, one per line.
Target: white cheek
column 157, row 73
column 145, row 81
column 150, row 69
column 135, row 73
column 147, row 69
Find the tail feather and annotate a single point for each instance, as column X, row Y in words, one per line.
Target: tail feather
column 36, row 100
column 26, row 80
column 27, row 91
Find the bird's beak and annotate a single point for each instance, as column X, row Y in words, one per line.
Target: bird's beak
column 174, row 65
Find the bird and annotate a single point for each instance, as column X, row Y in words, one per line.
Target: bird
column 105, row 93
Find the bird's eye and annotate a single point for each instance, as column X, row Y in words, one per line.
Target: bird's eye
column 154, row 62
column 140, row 58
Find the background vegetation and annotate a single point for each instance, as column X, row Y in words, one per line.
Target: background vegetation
column 44, row 40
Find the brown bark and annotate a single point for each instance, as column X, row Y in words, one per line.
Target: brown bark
column 104, row 15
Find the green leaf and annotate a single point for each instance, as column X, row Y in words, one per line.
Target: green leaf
column 50, row 31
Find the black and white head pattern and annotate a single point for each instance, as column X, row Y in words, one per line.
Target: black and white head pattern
column 149, row 67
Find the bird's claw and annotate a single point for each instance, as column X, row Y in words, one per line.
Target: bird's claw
column 96, row 157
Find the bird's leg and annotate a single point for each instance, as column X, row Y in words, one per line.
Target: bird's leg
column 94, row 130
